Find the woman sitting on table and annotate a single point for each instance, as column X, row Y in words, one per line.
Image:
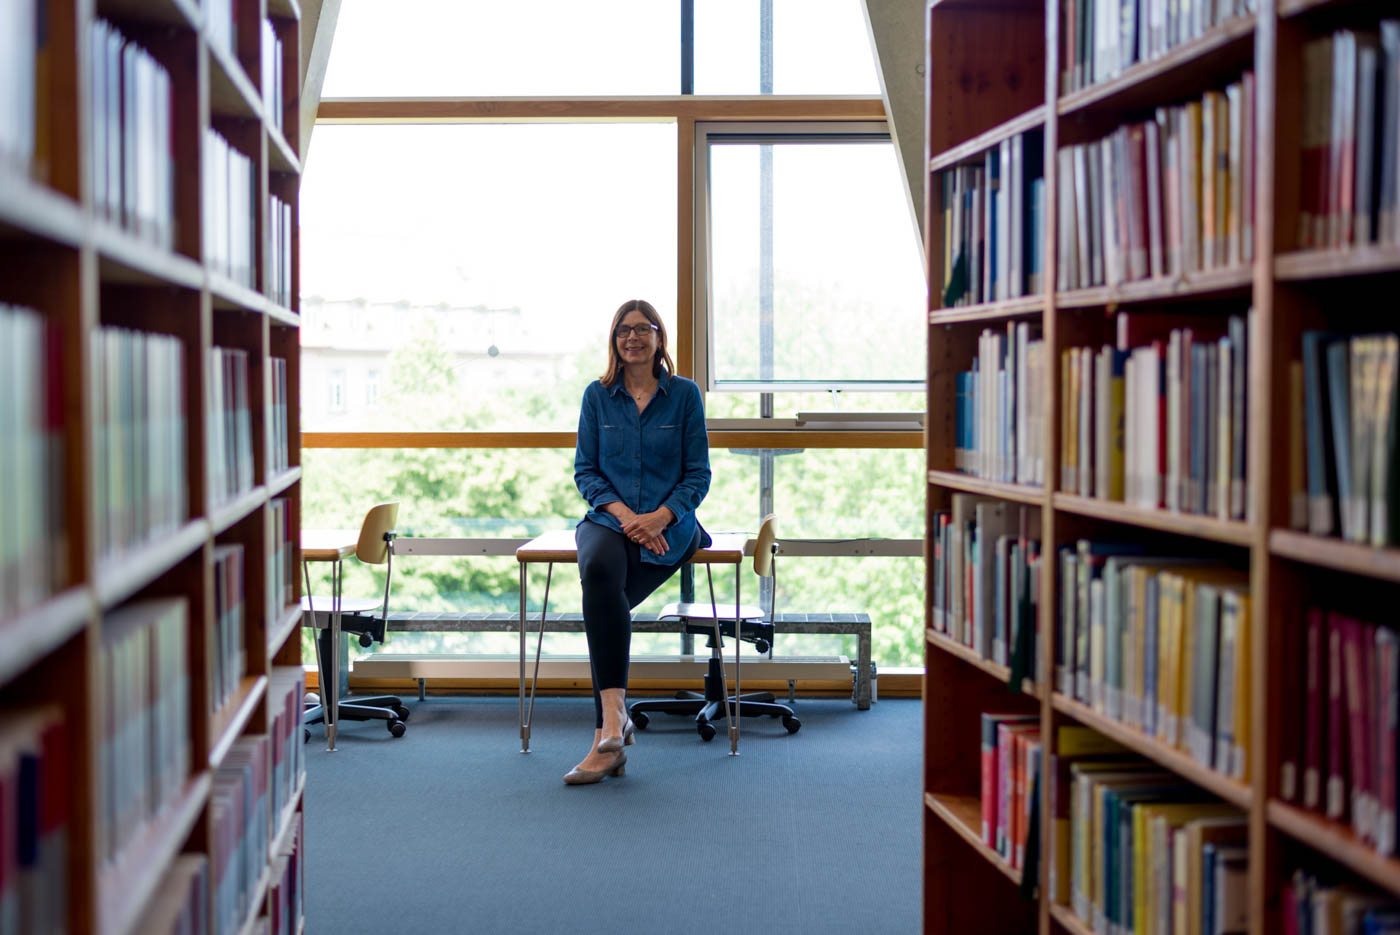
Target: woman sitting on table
column 643, row 465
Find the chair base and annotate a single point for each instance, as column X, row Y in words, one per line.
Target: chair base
column 387, row 708
column 711, row 706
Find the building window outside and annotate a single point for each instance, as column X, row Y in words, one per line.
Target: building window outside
column 372, row 388
column 336, row 386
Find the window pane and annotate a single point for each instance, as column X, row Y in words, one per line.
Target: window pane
column 501, row 493
column 788, row 405
column 819, row 47
column 848, row 287
column 545, row 48
column 473, row 275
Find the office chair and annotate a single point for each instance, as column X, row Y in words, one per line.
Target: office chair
column 752, row 627
column 367, row 617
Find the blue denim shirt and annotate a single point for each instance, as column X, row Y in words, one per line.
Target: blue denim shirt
column 658, row 457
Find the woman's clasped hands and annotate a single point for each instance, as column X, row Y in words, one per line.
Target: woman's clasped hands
column 646, row 529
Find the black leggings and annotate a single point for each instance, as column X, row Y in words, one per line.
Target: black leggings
column 615, row 579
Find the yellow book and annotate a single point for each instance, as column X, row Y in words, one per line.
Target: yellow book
column 1200, row 832
column 1185, row 669
column 1152, row 882
column 1071, row 831
column 1065, row 411
column 1191, row 187
column 1168, row 652
column 1220, row 165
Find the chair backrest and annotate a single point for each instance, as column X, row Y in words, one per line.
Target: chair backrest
column 372, row 548
column 765, row 546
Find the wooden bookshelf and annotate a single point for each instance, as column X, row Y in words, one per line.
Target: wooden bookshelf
column 1289, row 290
column 79, row 271
column 997, row 671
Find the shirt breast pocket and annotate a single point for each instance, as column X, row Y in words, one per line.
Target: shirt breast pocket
column 611, row 440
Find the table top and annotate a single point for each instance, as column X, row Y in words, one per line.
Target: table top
column 328, row 545
column 559, row 546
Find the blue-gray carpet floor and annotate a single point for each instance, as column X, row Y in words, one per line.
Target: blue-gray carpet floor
column 450, row 829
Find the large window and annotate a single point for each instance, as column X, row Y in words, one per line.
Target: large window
column 808, row 46
column 477, row 267
column 810, row 274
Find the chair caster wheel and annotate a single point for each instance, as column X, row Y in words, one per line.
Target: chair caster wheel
column 402, row 712
column 762, row 647
column 792, row 724
column 639, row 720
column 396, row 728
column 366, row 640
column 305, row 735
column 707, row 731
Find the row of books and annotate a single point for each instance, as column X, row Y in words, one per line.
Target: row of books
column 1315, row 907
column 1165, row 197
column 986, row 574
column 181, row 902
column 35, row 792
column 230, row 218
column 1345, row 456
column 993, row 223
column 241, row 831
column 228, row 652
column 1339, row 756
column 272, row 76
column 1160, row 643
column 279, row 445
column 33, row 551
column 24, row 55
column 288, row 886
column 1147, row 851
column 1000, row 411
column 286, row 687
column 138, row 387
column 221, row 24
column 1103, row 38
column 281, row 576
column 1351, row 139
column 133, row 160
column 1011, row 768
column 144, row 699
column 279, row 251
column 1159, row 419
column 230, row 424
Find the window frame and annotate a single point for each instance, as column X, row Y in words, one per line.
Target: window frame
column 708, row 133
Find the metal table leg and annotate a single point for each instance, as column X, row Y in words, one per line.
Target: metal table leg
column 524, row 731
column 333, row 690
column 527, row 715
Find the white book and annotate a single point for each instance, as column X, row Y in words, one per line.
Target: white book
column 1224, row 446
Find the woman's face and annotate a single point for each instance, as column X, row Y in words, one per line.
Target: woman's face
column 632, row 347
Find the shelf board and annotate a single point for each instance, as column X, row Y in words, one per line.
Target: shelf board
column 257, row 897
column 988, row 311
column 1308, row 265
column 1173, row 759
column 241, row 507
column 286, row 822
column 1066, row 917
column 124, row 887
column 1141, row 78
column 1230, row 532
column 231, row 94
column 39, row 630
column 1035, row 117
column 287, row 624
column 120, row 577
column 968, row 483
column 279, row 154
column 28, row 208
column 963, row 813
column 1368, row 560
column 230, row 294
column 228, row 722
column 966, row 653
column 283, row 480
column 1336, row 841
column 286, row 8
column 281, row 315
column 1185, row 286
column 125, row 258
column 184, row 13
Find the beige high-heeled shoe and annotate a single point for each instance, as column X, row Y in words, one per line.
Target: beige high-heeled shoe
column 613, row 744
column 582, row 777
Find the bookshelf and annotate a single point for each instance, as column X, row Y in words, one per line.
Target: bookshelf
column 997, row 71
column 135, row 581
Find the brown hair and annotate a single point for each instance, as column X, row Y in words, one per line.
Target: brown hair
column 662, row 359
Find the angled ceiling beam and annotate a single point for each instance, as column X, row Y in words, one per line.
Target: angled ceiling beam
column 897, row 34
column 318, row 18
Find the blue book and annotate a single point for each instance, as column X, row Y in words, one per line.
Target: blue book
column 1339, row 398
column 1321, row 463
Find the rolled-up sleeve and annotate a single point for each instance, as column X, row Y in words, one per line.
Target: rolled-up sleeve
column 685, row 497
column 591, row 483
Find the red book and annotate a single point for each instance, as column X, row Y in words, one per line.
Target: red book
column 1314, row 723
column 990, row 740
column 1387, row 668
column 1358, row 696
column 1336, row 792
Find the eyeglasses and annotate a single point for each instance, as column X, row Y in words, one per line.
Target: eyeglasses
column 641, row 331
